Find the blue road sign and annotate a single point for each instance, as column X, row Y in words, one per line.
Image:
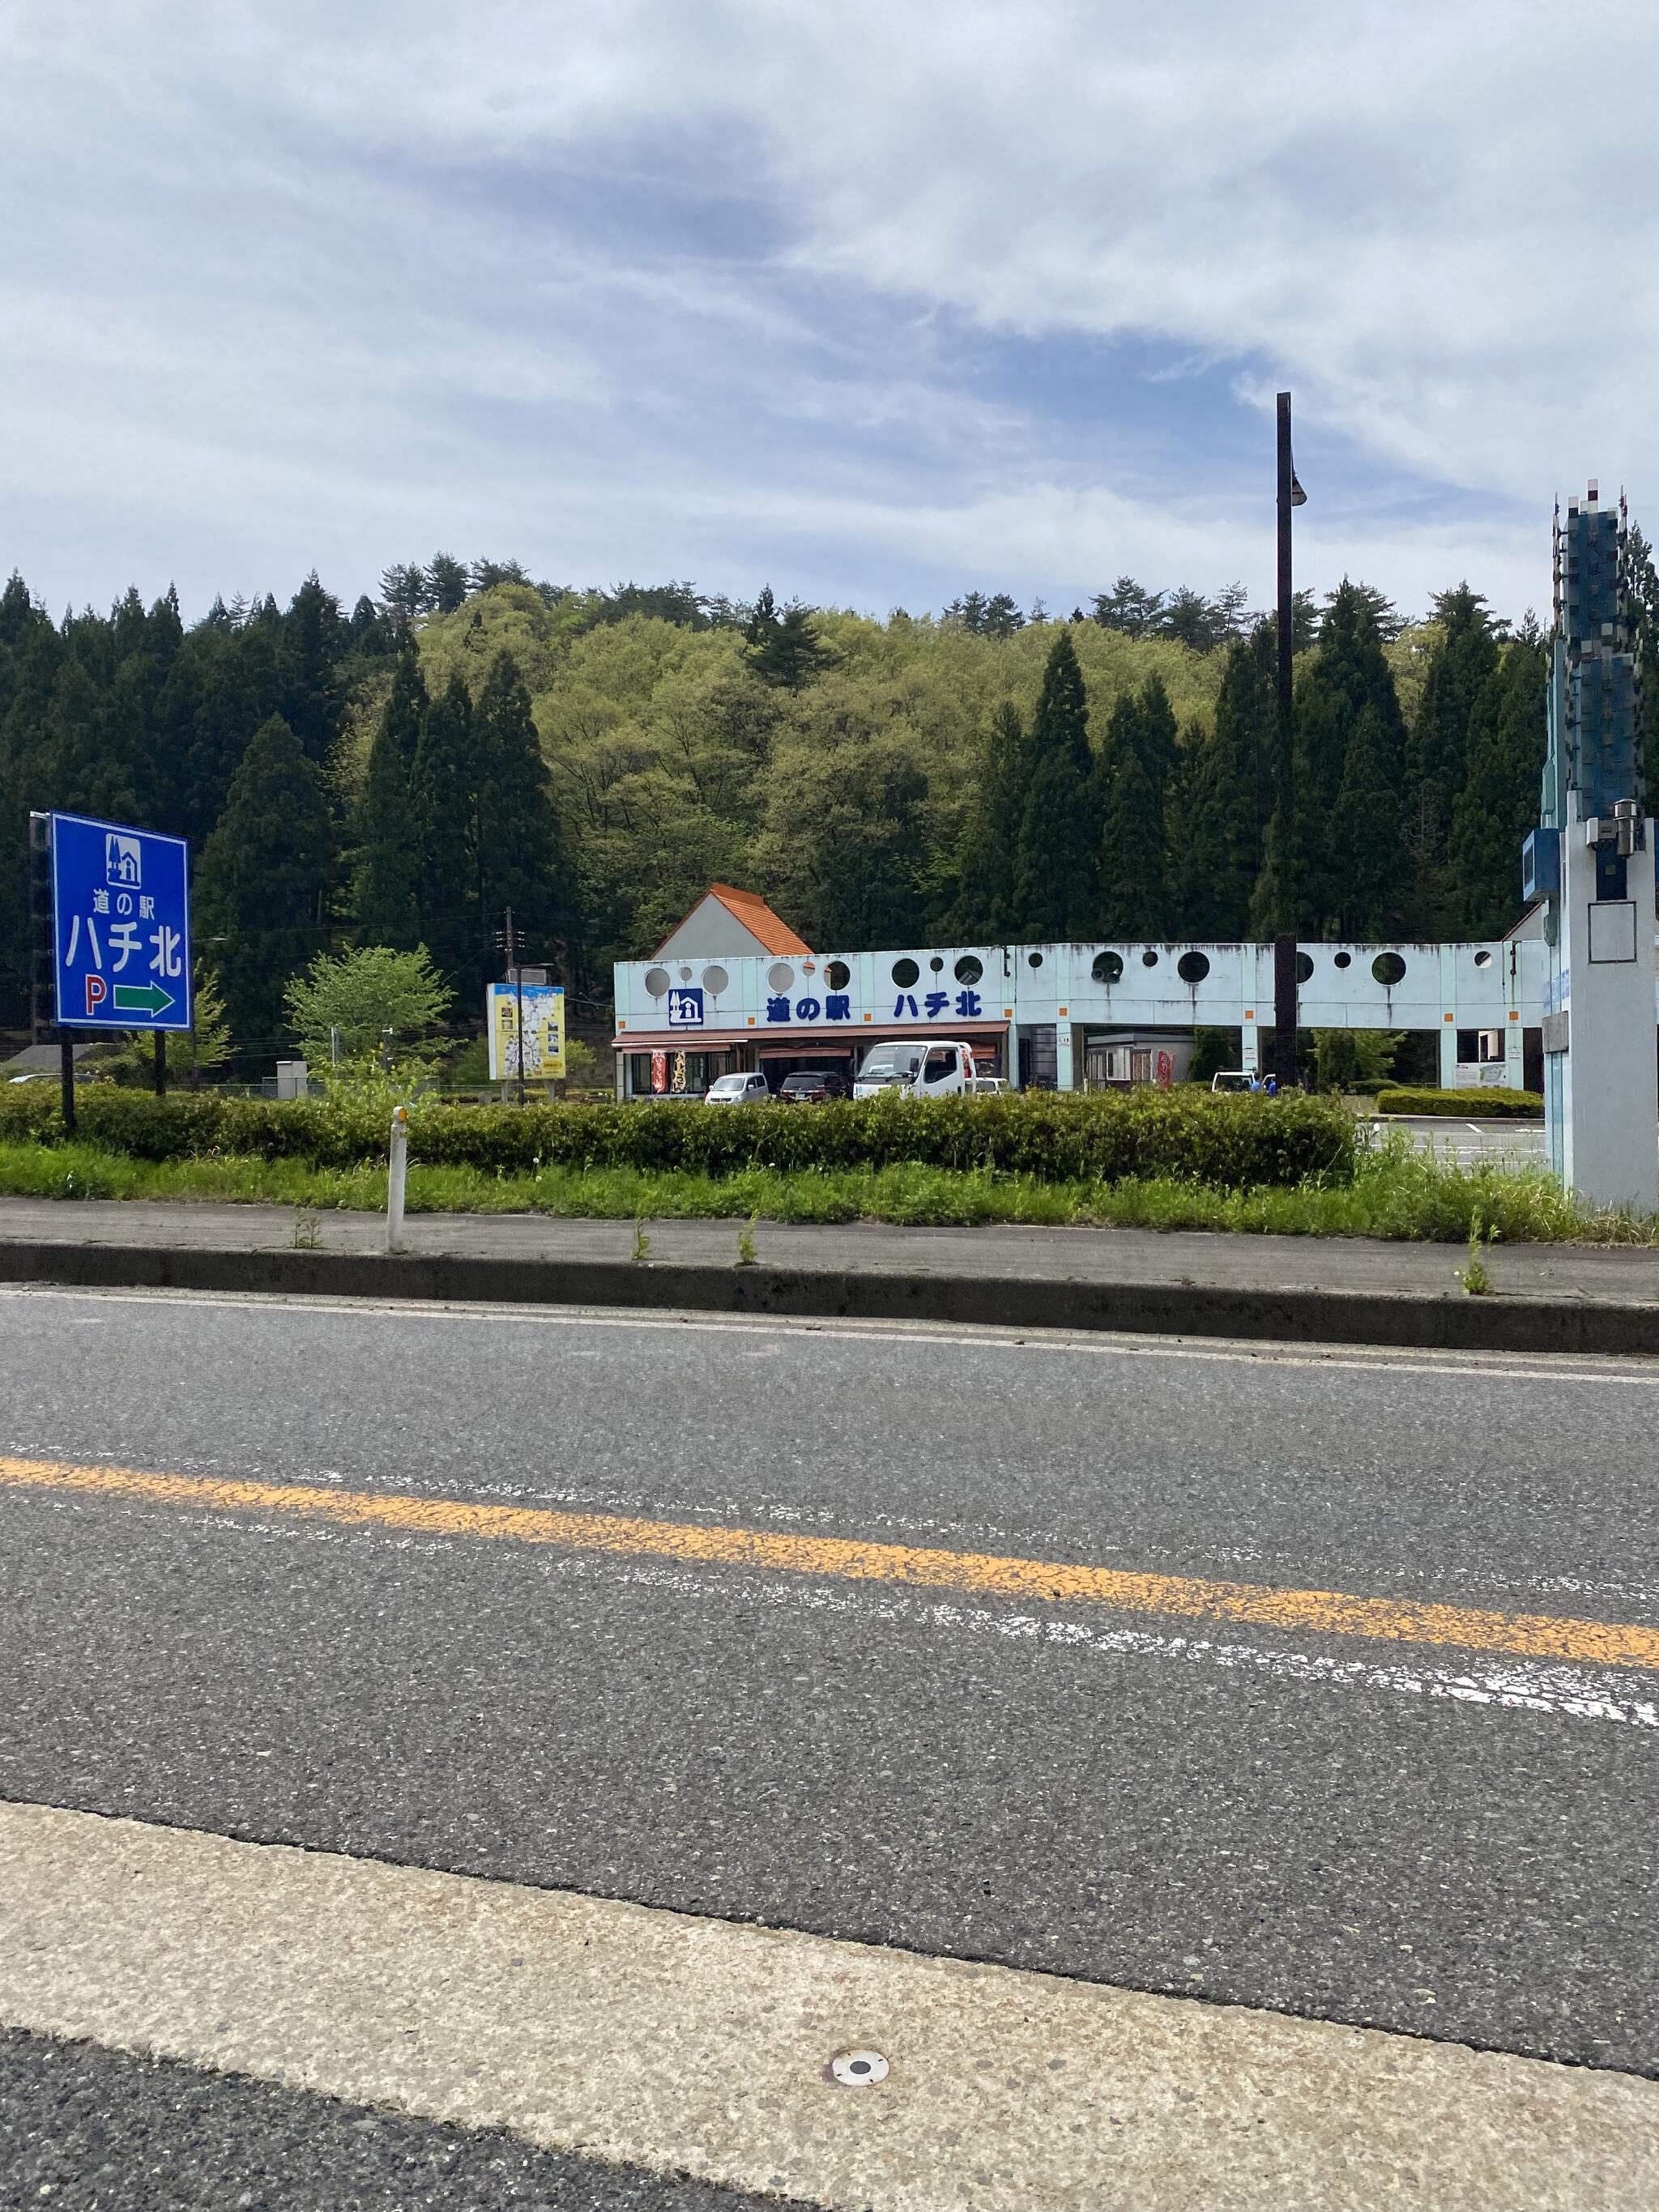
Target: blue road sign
column 685, row 1009
column 120, row 920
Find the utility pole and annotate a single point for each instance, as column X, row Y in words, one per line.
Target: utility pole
column 1290, row 495
column 516, row 973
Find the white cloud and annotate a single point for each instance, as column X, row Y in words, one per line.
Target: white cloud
column 587, row 272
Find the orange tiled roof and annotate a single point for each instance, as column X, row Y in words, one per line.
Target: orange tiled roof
column 752, row 911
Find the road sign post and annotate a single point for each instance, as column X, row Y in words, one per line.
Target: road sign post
column 120, row 956
column 121, row 922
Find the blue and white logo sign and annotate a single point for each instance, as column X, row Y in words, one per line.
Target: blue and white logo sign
column 120, row 918
column 685, row 1009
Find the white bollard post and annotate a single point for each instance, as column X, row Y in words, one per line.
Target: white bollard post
column 396, row 1179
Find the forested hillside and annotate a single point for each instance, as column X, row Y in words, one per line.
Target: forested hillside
column 399, row 773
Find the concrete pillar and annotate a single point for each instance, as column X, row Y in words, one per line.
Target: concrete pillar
column 1011, row 1057
column 1064, row 1079
column 1449, row 1053
column 1513, row 1070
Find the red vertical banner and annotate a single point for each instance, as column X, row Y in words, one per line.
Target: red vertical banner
column 1165, row 1070
column 659, row 1072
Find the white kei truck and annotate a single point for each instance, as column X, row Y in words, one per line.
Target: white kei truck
column 917, row 1067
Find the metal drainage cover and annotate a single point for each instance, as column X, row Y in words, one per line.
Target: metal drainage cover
column 858, row 2070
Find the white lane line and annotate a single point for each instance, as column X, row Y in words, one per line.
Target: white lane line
column 1553, row 1368
column 697, row 2046
column 1625, row 1700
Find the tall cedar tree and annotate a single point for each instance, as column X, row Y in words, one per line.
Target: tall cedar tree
column 1437, row 751
column 388, row 862
column 1498, row 803
column 986, row 909
column 1055, row 874
column 1303, row 877
column 1216, row 839
column 1364, row 826
column 1129, row 807
column 521, row 859
column 311, row 639
column 263, row 885
column 444, row 811
column 783, row 648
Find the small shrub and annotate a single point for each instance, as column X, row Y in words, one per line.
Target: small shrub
column 1463, row 1105
column 1234, row 1142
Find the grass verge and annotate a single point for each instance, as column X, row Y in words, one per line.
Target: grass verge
column 1395, row 1191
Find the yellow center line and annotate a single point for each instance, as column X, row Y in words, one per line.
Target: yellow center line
column 977, row 1574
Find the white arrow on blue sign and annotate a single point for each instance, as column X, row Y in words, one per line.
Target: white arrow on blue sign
column 121, row 921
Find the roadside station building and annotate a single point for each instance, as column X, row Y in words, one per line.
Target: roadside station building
column 734, row 987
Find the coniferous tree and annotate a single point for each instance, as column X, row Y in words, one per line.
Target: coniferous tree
column 1055, row 867
column 1216, row 840
column 262, row 884
column 1436, row 752
column 784, row 648
column 520, row 852
column 1301, row 885
column 1131, row 817
column 388, row 840
column 1364, row 830
column 986, row 909
column 1499, row 800
column 446, row 583
column 308, row 641
column 444, row 811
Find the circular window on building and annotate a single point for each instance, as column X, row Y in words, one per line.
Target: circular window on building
column 837, row 975
column 1108, row 967
column 1303, row 967
column 1483, row 960
column 967, row 969
column 1034, row 960
column 780, row 974
column 1342, row 960
column 714, row 980
column 937, row 963
column 1192, row 966
column 685, row 975
column 1149, row 958
column 1388, row 969
column 905, row 973
column 656, row 981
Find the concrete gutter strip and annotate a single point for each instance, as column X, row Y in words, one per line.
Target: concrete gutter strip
column 691, row 2045
column 1404, row 1319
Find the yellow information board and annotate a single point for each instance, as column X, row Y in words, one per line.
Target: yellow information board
column 544, row 1031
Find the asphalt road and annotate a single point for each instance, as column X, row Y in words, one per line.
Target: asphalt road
column 1313, row 1823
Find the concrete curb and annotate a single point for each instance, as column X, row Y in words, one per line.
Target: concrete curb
column 1404, row 1319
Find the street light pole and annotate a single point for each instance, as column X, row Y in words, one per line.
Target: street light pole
column 1290, row 495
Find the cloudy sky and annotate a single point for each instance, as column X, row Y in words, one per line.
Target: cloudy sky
column 877, row 300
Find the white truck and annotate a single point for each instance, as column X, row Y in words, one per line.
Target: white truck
column 919, row 1067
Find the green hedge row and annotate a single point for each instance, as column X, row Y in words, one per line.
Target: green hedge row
column 1462, row 1105
column 1238, row 1143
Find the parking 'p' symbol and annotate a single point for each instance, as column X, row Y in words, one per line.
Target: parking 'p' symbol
column 97, row 992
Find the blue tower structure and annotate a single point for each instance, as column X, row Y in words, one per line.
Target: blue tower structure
column 1591, row 863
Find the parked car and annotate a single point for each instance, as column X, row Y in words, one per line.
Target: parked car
column 988, row 1087
column 1230, row 1078
column 735, row 1091
column 808, row 1088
